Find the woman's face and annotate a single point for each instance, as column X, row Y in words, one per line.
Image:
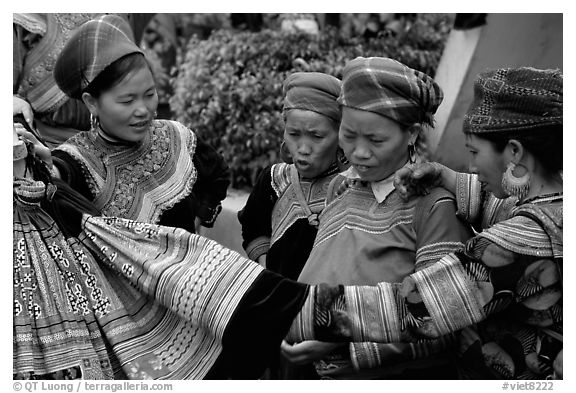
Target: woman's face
column 487, row 163
column 127, row 109
column 312, row 140
column 375, row 145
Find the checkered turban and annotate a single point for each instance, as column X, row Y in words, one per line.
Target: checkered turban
column 313, row 91
column 515, row 99
column 391, row 89
column 93, row 47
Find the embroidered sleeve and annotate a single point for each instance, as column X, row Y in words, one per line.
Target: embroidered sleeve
column 461, row 289
column 212, row 182
column 479, row 208
column 256, row 216
column 366, row 355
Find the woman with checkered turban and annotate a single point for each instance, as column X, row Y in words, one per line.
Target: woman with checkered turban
column 502, row 292
column 368, row 234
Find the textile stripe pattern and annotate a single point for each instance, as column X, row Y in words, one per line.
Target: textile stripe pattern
column 129, row 316
column 288, row 209
column 194, row 278
column 144, row 181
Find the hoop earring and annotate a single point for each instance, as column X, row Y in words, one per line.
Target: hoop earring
column 94, row 121
column 412, row 153
column 515, row 186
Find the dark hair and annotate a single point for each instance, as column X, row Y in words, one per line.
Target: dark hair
column 116, row 72
column 544, row 143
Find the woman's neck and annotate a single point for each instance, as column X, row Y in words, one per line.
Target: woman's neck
column 107, row 137
column 543, row 185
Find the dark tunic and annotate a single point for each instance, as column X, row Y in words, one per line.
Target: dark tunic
column 274, row 222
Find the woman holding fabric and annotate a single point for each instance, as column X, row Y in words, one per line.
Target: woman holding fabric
column 131, row 165
column 282, row 209
column 368, row 234
column 503, row 291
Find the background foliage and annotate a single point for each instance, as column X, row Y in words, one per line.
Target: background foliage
column 228, row 87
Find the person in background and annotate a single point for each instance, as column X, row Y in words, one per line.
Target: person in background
column 280, row 219
column 367, row 233
column 129, row 164
column 37, row 42
column 282, row 209
column 502, row 292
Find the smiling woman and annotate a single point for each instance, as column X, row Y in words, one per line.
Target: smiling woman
column 131, row 165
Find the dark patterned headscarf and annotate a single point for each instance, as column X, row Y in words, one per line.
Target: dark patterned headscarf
column 93, row 47
column 313, row 91
column 391, row 89
column 510, row 100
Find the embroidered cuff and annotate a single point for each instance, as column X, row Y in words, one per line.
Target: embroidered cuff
column 449, row 296
column 468, row 196
column 302, row 328
column 373, row 312
column 364, row 355
column 208, row 214
column 258, row 247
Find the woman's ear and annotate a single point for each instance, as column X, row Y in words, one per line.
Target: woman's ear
column 91, row 103
column 515, row 151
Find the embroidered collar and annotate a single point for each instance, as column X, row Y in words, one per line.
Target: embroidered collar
column 381, row 189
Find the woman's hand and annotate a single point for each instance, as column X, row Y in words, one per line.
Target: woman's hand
column 20, row 106
column 41, row 151
column 417, row 179
column 308, row 351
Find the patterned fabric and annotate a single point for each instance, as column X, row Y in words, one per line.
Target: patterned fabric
column 37, row 82
column 363, row 242
column 505, row 301
column 312, row 91
column 155, row 304
column 287, row 209
column 93, row 47
column 138, row 182
column 512, row 100
column 480, row 209
column 274, row 219
column 391, row 89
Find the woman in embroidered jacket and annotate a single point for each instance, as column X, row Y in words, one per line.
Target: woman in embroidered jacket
column 503, row 291
column 282, row 209
column 368, row 234
column 104, row 298
column 129, row 164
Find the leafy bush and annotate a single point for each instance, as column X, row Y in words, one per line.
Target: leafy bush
column 228, row 88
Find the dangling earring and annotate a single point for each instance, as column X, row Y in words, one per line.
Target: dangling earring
column 94, row 121
column 285, row 153
column 412, row 153
column 515, row 186
column 341, row 159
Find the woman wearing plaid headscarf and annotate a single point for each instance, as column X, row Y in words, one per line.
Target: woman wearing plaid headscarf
column 129, row 164
column 502, row 292
column 367, row 234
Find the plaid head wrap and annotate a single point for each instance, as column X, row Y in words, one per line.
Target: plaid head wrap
column 313, row 91
column 93, row 47
column 515, row 99
column 391, row 89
